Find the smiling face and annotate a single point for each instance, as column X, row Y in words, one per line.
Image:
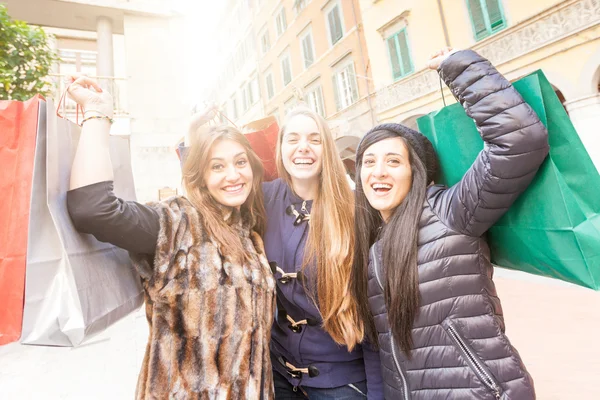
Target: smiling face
column 302, row 149
column 228, row 177
column 386, row 175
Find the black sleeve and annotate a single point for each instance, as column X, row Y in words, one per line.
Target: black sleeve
column 95, row 209
column 515, row 145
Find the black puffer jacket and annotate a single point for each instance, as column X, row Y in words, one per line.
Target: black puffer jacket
column 460, row 349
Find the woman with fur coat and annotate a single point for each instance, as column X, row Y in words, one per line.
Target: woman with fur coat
column 209, row 290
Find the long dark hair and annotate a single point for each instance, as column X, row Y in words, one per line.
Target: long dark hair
column 399, row 242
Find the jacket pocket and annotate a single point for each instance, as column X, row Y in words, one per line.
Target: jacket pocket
column 476, row 364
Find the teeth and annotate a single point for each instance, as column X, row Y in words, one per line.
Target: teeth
column 233, row 188
column 303, row 161
column 381, row 186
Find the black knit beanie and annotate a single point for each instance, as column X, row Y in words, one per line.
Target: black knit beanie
column 419, row 142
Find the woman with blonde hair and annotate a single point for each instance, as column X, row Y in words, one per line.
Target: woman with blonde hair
column 209, row 291
column 315, row 346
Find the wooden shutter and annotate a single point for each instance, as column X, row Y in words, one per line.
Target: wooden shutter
column 394, row 58
column 404, row 53
column 335, row 24
column 353, row 84
column 320, row 102
column 495, row 14
column 307, row 50
column 286, row 70
column 336, row 92
column 283, row 20
column 478, row 19
column 270, row 88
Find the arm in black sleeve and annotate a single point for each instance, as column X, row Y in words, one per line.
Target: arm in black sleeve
column 95, row 209
column 515, row 145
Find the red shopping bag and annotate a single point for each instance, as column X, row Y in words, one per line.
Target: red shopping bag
column 262, row 135
column 18, row 125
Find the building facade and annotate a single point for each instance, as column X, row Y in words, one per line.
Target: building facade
column 293, row 51
column 560, row 37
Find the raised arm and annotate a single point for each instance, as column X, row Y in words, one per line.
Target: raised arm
column 92, row 160
column 515, row 145
column 91, row 202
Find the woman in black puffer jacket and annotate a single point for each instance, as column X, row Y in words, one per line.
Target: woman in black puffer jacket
column 422, row 271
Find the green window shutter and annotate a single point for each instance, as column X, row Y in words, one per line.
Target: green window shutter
column 394, row 58
column 478, row 19
column 404, row 53
column 495, row 15
column 400, row 54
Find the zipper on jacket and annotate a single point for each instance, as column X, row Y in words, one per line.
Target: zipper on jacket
column 474, row 362
column 393, row 342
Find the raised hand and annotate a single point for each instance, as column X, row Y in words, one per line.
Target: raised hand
column 439, row 56
column 89, row 95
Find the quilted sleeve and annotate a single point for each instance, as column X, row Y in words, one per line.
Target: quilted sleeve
column 515, row 145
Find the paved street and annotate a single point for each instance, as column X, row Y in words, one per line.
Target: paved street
column 554, row 325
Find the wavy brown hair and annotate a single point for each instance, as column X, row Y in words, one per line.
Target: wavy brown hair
column 330, row 239
column 194, row 169
column 399, row 249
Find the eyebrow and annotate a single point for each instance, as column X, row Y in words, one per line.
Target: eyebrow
column 222, row 159
column 296, row 133
column 387, row 154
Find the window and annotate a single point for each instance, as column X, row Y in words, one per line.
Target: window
column 255, row 90
column 245, row 100
column 280, row 22
column 334, row 23
column 300, row 5
column 286, row 69
column 345, row 89
column 250, row 94
column 399, row 54
column 270, row 85
column 265, row 43
column 308, row 49
column 314, row 99
column 487, row 17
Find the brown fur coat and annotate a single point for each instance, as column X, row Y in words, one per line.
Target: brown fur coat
column 209, row 318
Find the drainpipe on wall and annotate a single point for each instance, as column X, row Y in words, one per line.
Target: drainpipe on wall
column 364, row 66
column 443, row 19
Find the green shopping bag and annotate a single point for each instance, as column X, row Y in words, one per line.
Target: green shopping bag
column 553, row 229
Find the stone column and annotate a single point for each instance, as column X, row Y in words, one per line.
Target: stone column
column 104, row 62
column 585, row 115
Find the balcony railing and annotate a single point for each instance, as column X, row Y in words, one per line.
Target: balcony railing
column 117, row 87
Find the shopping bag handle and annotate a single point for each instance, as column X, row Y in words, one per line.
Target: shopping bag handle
column 221, row 113
column 62, row 102
column 442, row 90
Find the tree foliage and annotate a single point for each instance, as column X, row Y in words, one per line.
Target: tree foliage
column 25, row 59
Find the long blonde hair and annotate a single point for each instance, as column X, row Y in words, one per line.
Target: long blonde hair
column 330, row 238
column 194, row 169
